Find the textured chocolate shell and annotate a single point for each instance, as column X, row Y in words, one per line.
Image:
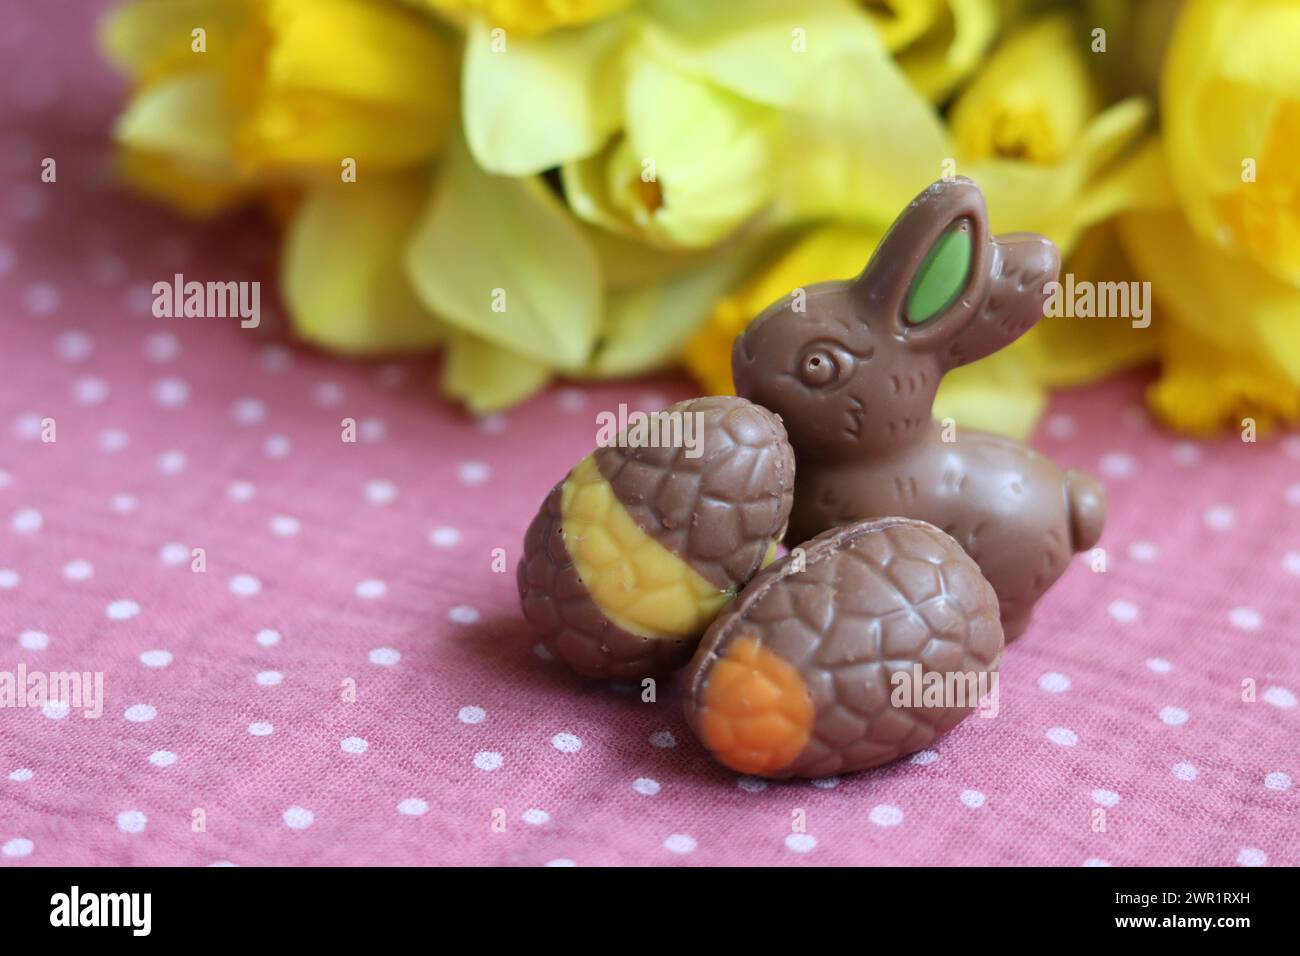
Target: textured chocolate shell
column 634, row 553
column 796, row 677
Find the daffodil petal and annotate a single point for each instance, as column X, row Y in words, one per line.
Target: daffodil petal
column 486, row 377
column 541, row 102
column 994, row 394
column 502, row 259
column 147, row 39
column 342, row 273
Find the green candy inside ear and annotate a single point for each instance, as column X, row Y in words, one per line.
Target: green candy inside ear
column 941, row 277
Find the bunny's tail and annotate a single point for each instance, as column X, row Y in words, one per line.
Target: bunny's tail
column 1087, row 503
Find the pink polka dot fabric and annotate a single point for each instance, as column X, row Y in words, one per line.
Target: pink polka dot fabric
column 348, row 679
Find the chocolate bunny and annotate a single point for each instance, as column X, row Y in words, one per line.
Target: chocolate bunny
column 852, row 368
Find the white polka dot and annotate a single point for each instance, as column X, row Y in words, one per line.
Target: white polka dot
column 260, row 729
column 1292, row 494
column 1159, row 665
column 471, row 715
column 173, row 553
column 826, row 783
column 140, row 713
column 122, row 610
column 571, row 399
column 21, row 775
column 267, row 637
column 1245, row 618
column 1252, row 856
column 541, row 653
column 1105, row 798
column 444, row 537
column 298, row 818
column 1095, row 861
column 385, row 656
column 73, row 346
column 245, row 585
column 972, row 798
column 1185, row 453
column 885, row 815
column 354, row 745
column 172, row 462
column 171, row 392
column 248, row 411
column 162, row 758
column 463, row 614
column 277, row 446
column 1062, row 736
column 156, row 658
column 41, row 298
column 488, row 760
column 752, row 784
column 5, row 479
column 645, row 786
column 391, row 375
column 131, row 821
column 33, row 640
column 107, row 269
column 1173, row 716
column 162, row 347
column 1183, row 771
column 222, row 863
column 1291, row 446
column 78, row 570
column 275, row 358
column 123, row 504
column 560, row 862
column 1291, row 563
column 372, row 430
column 473, row 473
column 663, row 738
column 371, row 589
column 1125, row 612
column 413, row 807
column 90, row 390
column 800, row 842
column 269, row 678
column 679, row 843
column 56, row 710
column 328, row 393
column 566, row 743
column 1219, row 518
column 1277, row 780
column 17, row 847
column 240, row 491
column 1143, row 551
column 1279, row 697
column 285, row 526
column 1054, row 683
column 923, row 758
column 26, row 521
column 9, row 579
column 535, row 817
column 1117, row 464
column 381, row 492
column 492, row 424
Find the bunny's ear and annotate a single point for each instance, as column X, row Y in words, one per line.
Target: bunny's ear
column 929, row 273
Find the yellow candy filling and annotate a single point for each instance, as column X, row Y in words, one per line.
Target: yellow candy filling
column 635, row 581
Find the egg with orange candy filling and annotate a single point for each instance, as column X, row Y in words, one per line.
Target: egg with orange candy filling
column 859, row 647
column 636, row 551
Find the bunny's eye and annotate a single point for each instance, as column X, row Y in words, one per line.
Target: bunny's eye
column 819, row 367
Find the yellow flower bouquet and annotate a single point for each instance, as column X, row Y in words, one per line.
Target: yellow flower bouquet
column 598, row 188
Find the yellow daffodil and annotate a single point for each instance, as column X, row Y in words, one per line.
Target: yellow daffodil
column 938, row 43
column 1230, row 101
column 527, row 17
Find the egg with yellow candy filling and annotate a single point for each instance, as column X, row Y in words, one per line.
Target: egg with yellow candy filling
column 635, row 552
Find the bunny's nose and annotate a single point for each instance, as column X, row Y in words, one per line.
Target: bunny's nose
column 1029, row 261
